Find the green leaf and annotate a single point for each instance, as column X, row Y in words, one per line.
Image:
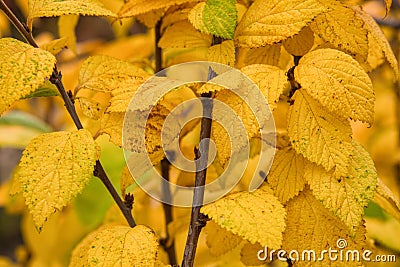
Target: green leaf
column 217, row 17
column 46, row 89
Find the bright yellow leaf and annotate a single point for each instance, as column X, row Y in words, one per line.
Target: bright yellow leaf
column 53, row 8
column 151, row 18
column 126, row 180
column 378, row 42
column 268, row 55
column 53, row 169
column 105, row 73
column 301, row 43
column 111, row 124
column 317, row 134
column 223, row 53
column 23, row 69
column 257, row 216
column 136, row 7
column 271, row 21
column 271, row 80
column 100, row 77
column 286, row 176
column 183, row 35
column 385, row 198
column 216, row 236
column 117, row 245
column 311, row 227
column 342, row 86
column 55, row 46
column 66, row 29
column 345, row 195
column 342, row 28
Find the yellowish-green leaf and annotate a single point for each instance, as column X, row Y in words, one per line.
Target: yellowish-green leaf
column 385, row 198
column 223, row 53
column 286, row 176
column 117, row 245
column 342, row 28
column 111, row 124
column 271, row 80
column 55, row 46
column 183, row 35
column 342, row 85
column 272, row 21
column 378, row 42
column 268, row 55
column 216, row 17
column 23, row 69
column 317, row 134
column 301, row 43
column 311, row 227
column 53, row 169
column 345, row 195
column 257, row 216
column 53, row 8
column 136, row 7
column 66, row 29
column 216, row 236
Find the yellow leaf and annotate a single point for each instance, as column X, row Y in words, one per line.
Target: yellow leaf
column 318, row 135
column 385, row 198
column 271, row 21
column 345, row 195
column 271, row 80
column 388, row 4
column 195, row 17
column 100, row 77
column 105, row 73
column 23, row 69
column 257, row 216
column 342, row 86
column 117, row 245
column 111, row 124
column 136, row 7
column 55, row 46
column 216, row 236
column 378, row 42
column 301, row 43
column 342, row 28
column 286, row 176
column 268, row 55
column 151, row 18
column 54, row 168
column 126, row 180
column 312, row 228
column 66, row 29
column 248, row 254
column 183, row 35
column 53, row 8
column 223, row 53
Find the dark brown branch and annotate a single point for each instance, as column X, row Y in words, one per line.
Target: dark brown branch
column 55, row 78
column 168, row 243
column 198, row 220
column 126, row 211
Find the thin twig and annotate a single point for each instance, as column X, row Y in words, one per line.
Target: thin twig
column 198, row 220
column 55, row 78
column 168, row 243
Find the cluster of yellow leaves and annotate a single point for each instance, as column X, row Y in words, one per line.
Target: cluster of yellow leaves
column 320, row 179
